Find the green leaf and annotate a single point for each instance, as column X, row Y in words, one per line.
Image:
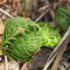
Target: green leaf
column 21, row 39
column 63, row 18
column 50, row 35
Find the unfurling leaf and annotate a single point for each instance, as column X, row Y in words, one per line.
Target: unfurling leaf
column 21, row 39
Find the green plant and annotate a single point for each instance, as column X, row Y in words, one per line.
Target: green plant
column 50, row 35
column 63, row 18
column 21, row 39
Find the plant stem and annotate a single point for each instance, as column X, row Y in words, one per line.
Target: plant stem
column 25, row 9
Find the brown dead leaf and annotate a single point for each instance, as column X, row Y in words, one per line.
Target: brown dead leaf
column 1, row 27
column 25, row 18
column 21, row 29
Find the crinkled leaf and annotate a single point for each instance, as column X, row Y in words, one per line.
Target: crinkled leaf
column 21, row 39
column 50, row 35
